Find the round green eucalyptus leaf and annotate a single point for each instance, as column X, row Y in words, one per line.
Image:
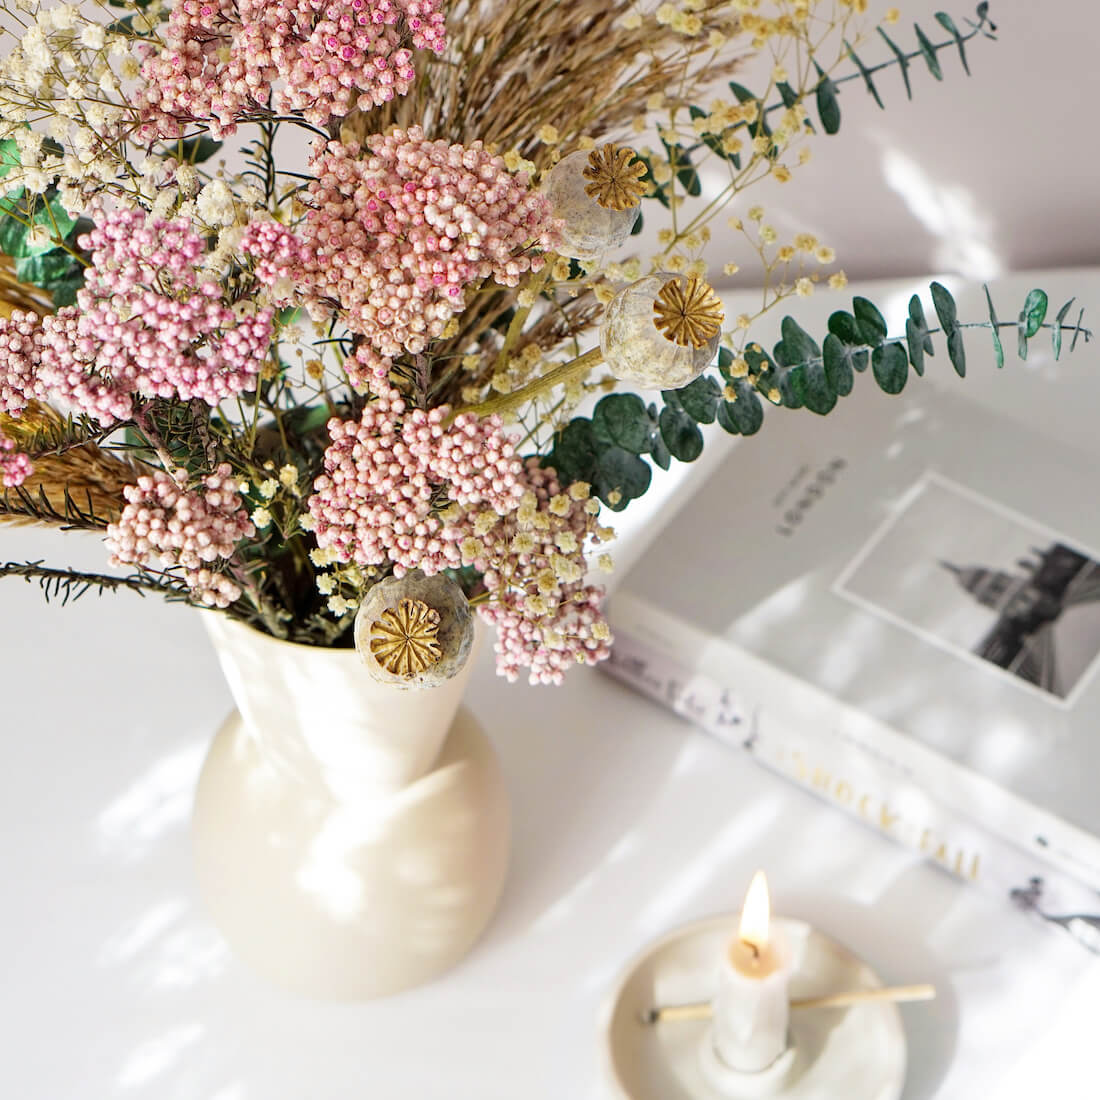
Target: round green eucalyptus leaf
column 622, row 473
column 699, row 399
column 839, row 366
column 745, row 416
column 574, row 452
column 890, row 366
column 621, row 419
column 681, row 434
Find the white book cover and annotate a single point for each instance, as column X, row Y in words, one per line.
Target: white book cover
column 820, row 756
column 932, row 565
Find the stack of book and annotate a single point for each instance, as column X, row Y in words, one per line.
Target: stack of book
column 897, row 606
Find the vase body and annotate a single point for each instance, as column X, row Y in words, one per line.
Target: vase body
column 350, row 838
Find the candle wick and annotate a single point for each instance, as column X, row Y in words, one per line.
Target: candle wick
column 753, row 948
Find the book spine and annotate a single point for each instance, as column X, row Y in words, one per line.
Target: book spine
column 851, row 779
column 1004, row 814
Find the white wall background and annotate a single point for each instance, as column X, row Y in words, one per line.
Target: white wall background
column 975, row 176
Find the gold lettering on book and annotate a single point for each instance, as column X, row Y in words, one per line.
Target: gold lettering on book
column 880, row 813
column 801, row 768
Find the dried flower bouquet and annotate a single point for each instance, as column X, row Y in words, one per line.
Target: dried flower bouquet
column 273, row 385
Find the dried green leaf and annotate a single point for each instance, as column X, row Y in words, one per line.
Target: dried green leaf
column 573, row 455
column 1056, row 328
column 818, row 393
column 699, row 398
column 945, row 306
column 9, row 156
column 827, row 106
column 956, row 352
column 620, row 477
column 840, row 365
column 680, row 162
column 929, row 52
column 198, row 149
column 998, row 347
column 1034, row 312
column 948, row 25
column 903, row 61
column 1030, row 320
column 621, row 419
column 680, row 433
column 870, row 322
column 745, row 415
column 917, row 336
column 865, row 73
column 890, row 366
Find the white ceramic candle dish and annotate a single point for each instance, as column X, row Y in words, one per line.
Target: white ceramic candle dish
column 857, row 1052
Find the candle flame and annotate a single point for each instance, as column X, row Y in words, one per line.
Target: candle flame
column 755, row 913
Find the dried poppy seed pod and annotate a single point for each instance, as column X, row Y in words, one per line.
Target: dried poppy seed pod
column 662, row 331
column 590, row 228
column 414, row 631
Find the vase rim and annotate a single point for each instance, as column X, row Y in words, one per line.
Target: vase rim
column 220, row 619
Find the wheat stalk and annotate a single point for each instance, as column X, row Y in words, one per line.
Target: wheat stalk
column 18, row 295
column 512, row 68
column 75, row 483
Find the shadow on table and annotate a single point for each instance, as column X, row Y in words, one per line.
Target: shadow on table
column 565, row 752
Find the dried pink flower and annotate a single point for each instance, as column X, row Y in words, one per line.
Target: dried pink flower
column 190, row 528
column 15, row 467
column 148, row 322
column 224, row 60
column 387, row 475
column 547, row 646
column 20, row 352
column 396, row 237
column 534, row 565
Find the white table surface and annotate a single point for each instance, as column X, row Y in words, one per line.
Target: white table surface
column 626, row 823
column 114, row 983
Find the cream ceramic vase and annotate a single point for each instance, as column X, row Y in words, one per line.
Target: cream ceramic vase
column 350, row 838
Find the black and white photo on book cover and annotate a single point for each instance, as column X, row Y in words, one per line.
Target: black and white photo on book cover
column 979, row 579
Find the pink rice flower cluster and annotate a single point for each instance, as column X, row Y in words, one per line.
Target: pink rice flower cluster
column 20, row 352
column 279, row 257
column 150, row 322
column 15, row 467
column 388, row 475
column 472, row 458
column 222, row 60
column 395, row 237
column 190, row 528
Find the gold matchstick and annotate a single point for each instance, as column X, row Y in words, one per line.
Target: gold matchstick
column 701, row 1010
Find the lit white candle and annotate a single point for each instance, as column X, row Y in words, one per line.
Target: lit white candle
column 752, row 1005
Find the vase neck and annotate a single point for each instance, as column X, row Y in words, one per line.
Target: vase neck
column 318, row 715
